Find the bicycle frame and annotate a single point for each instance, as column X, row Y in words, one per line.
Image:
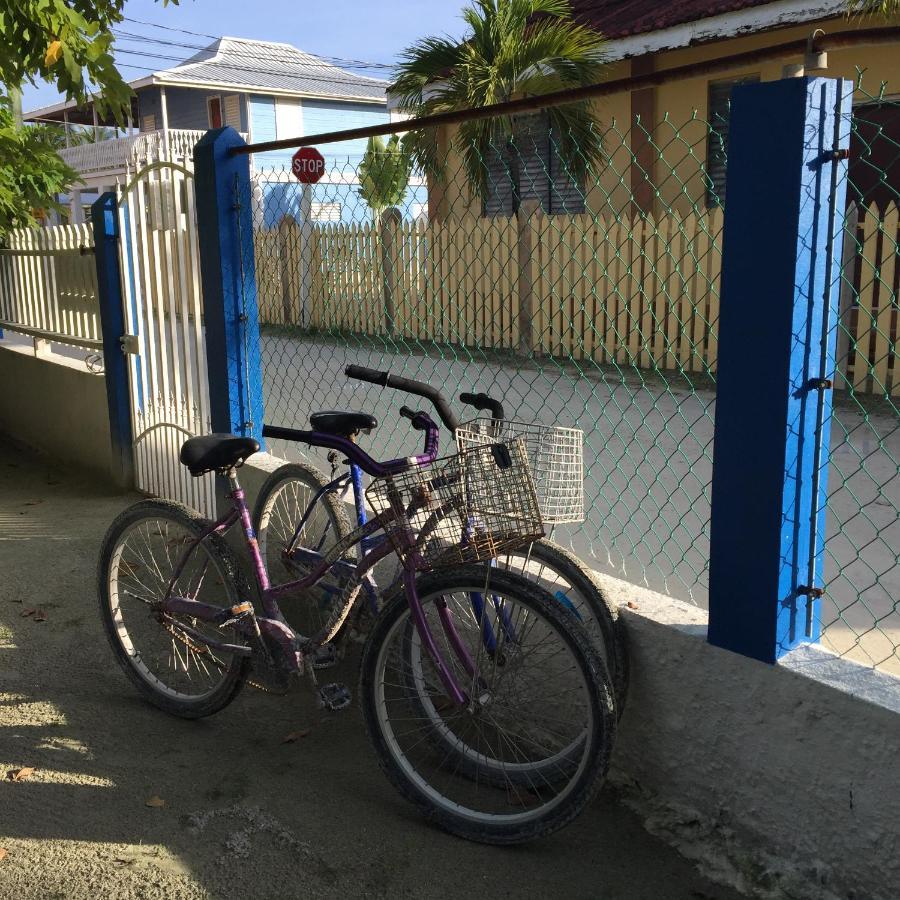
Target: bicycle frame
column 272, row 625
column 368, row 540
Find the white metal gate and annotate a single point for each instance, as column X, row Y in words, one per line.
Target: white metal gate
column 165, row 342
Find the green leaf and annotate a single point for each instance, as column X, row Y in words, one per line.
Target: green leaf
column 514, row 48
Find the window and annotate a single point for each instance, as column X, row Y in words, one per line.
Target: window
column 529, row 167
column 214, row 111
column 232, row 107
column 321, row 211
column 719, row 115
column 148, row 123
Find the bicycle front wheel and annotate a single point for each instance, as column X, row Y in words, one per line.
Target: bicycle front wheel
column 538, row 700
column 571, row 583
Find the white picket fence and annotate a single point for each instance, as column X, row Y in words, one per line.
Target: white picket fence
column 48, row 285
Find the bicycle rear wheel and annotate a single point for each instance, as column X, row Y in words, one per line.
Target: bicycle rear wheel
column 540, row 701
column 136, row 573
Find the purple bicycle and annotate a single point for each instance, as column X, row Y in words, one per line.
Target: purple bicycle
column 517, row 680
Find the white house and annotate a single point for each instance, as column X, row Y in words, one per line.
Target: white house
column 266, row 90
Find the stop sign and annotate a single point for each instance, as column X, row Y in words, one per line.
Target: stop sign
column 308, row 165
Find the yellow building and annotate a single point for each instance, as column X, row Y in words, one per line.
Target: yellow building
column 665, row 143
column 623, row 269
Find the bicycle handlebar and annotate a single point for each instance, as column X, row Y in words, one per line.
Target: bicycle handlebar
column 410, row 386
column 484, row 402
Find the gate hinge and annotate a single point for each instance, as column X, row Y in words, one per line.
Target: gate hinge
column 814, row 592
column 130, row 344
column 829, row 156
column 819, row 384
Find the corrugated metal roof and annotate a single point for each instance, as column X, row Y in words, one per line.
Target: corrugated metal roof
column 624, row 18
column 270, row 66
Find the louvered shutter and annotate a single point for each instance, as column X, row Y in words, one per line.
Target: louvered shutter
column 566, row 194
column 529, row 168
column 719, row 115
column 232, row 109
column 501, row 187
column 532, row 148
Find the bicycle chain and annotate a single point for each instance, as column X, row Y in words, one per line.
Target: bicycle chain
column 181, row 636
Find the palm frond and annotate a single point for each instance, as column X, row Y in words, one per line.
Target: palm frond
column 514, row 48
column 578, row 139
column 884, row 8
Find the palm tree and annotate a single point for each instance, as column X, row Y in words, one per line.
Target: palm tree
column 884, row 8
column 77, row 136
column 384, row 173
column 515, row 48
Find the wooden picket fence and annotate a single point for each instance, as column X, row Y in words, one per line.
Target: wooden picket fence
column 870, row 288
column 627, row 291
column 48, row 285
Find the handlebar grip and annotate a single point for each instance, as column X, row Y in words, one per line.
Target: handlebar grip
column 413, row 416
column 483, row 401
column 410, row 386
column 284, row 434
column 361, row 373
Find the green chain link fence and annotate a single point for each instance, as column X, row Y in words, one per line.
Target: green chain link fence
column 862, row 590
column 588, row 301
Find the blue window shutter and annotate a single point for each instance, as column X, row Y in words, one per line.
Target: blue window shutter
column 262, row 118
column 321, row 116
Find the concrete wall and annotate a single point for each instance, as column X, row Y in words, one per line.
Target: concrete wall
column 54, row 404
column 781, row 780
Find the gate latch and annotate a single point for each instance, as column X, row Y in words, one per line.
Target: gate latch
column 130, row 344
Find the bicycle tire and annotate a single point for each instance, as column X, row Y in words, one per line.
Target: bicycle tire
column 601, row 619
column 112, row 565
column 308, row 614
column 596, row 739
column 584, row 597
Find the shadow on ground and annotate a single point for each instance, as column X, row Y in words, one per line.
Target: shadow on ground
column 245, row 815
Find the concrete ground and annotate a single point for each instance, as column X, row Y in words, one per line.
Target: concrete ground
column 243, row 814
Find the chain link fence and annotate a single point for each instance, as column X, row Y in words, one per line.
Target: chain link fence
column 860, row 614
column 586, row 295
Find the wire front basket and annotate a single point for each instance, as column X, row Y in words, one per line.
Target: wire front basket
column 556, row 458
column 465, row 508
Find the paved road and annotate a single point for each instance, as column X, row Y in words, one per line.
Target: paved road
column 648, row 459
column 245, row 814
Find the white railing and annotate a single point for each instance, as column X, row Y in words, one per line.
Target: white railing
column 115, row 156
column 48, row 286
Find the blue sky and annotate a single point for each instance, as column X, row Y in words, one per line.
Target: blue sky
column 350, row 29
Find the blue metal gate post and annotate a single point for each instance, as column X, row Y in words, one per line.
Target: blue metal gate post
column 105, row 219
column 225, row 227
column 786, row 188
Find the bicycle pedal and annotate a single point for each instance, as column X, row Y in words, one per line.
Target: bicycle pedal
column 238, row 614
column 323, row 657
column 334, row 696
